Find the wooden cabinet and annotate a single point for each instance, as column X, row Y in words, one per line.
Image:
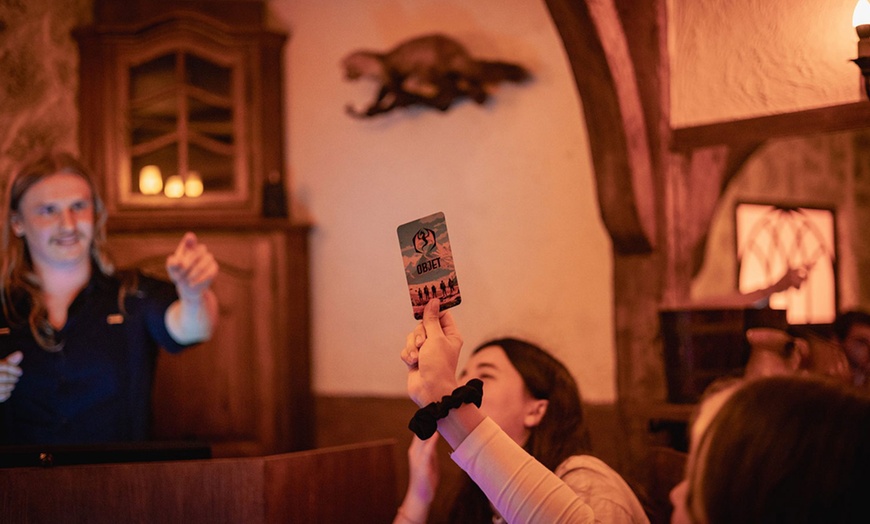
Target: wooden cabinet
column 181, row 108
column 705, row 344
column 247, row 391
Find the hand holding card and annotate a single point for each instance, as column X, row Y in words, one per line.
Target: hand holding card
column 428, row 263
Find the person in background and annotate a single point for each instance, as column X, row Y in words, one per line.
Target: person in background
column 792, row 278
column 852, row 331
column 787, row 448
column 523, row 443
column 800, row 350
column 79, row 340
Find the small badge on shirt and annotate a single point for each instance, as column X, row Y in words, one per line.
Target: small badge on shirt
column 114, row 319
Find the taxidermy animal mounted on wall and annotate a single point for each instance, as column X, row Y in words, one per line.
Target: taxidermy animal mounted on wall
column 431, row 70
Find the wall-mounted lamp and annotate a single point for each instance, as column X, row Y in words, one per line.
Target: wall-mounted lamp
column 861, row 22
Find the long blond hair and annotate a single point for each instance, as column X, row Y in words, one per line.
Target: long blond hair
column 18, row 280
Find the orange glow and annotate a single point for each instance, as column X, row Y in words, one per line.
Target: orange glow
column 193, row 185
column 150, row 180
column 771, row 241
column 174, row 187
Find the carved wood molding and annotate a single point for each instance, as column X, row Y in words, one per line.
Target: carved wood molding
column 719, row 150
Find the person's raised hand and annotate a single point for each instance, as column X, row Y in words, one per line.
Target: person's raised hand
column 432, row 353
column 10, row 372
column 793, row 278
column 192, row 268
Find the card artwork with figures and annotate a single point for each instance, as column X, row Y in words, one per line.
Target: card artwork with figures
column 428, row 263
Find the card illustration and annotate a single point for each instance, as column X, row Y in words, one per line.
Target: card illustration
column 428, row 263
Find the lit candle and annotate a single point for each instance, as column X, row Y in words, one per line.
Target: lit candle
column 193, row 184
column 174, row 187
column 150, row 180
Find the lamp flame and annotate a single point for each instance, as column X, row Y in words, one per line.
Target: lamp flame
column 861, row 15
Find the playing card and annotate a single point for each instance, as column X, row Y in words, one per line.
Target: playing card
column 428, row 263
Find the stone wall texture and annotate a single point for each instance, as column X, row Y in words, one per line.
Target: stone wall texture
column 39, row 71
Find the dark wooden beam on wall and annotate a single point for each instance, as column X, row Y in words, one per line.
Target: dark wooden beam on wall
column 619, row 60
column 759, row 129
column 605, row 78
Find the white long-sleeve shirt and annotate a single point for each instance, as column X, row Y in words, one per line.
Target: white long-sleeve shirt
column 583, row 489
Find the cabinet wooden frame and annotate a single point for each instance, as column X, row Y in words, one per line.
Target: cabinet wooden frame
column 247, row 391
column 253, row 57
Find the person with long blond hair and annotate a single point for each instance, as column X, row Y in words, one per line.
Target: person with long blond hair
column 78, row 339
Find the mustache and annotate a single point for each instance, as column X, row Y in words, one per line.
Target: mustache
column 69, row 235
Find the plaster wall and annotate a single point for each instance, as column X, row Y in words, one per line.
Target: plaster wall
column 775, row 57
column 746, row 58
column 38, row 76
column 513, row 177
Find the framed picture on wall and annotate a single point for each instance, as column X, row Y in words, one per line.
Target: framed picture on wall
column 771, row 239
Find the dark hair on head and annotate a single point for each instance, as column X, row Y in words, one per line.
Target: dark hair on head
column 18, row 281
column 844, row 322
column 788, row 448
column 561, row 432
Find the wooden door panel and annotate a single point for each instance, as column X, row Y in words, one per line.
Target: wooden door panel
column 222, row 391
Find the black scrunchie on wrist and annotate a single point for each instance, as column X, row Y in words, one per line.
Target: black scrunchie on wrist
column 424, row 423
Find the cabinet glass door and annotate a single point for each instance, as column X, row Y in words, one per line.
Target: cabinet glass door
column 186, row 128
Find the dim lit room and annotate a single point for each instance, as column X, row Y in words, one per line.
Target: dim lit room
column 229, row 294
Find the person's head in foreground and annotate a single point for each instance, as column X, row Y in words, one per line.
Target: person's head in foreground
column 784, row 449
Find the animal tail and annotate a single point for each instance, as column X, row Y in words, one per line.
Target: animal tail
column 495, row 71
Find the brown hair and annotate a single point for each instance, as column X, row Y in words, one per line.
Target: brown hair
column 785, row 449
column 18, row 281
column 560, row 434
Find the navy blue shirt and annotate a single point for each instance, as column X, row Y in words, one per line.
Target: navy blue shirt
column 97, row 388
